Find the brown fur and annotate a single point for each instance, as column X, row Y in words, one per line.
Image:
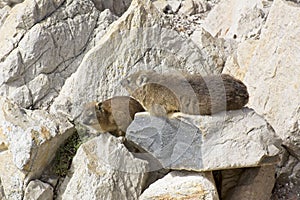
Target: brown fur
column 112, row 115
column 162, row 94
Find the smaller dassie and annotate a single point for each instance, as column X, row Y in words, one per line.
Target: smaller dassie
column 166, row 93
column 112, row 115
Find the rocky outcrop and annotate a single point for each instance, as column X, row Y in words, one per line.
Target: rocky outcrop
column 142, row 38
column 38, row 52
column 267, row 66
column 233, row 139
column 104, row 169
column 238, row 20
column 57, row 55
column 30, row 140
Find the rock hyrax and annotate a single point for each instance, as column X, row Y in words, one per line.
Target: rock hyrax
column 112, row 115
column 162, row 94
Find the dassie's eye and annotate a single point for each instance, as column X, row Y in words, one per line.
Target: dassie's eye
column 141, row 80
column 100, row 107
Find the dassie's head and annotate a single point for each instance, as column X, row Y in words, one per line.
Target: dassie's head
column 138, row 79
column 112, row 115
column 92, row 113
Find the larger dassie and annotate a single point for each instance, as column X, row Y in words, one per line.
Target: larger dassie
column 162, row 94
column 112, row 115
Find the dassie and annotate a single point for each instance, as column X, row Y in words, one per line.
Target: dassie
column 162, row 94
column 112, row 115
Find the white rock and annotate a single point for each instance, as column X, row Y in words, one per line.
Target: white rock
column 237, row 65
column 272, row 75
column 232, row 139
column 160, row 4
column 138, row 40
column 191, row 7
column 31, row 139
column 212, row 48
column 22, row 96
column 39, row 87
column 45, row 38
column 174, row 5
column 236, row 19
column 182, row 185
column 10, row 2
column 104, row 169
column 12, row 179
column 269, row 71
column 268, row 67
column 3, row 13
column 37, row 190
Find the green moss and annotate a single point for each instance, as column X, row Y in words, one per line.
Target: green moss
column 65, row 154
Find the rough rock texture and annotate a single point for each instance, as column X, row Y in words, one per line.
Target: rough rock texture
column 248, row 183
column 3, row 14
column 237, row 19
column 117, row 7
column 10, row 3
column 31, row 139
column 182, row 185
column 38, row 52
column 140, row 39
column 38, row 190
column 202, row 143
column 104, row 169
column 268, row 67
column 58, row 54
column 12, row 179
column 191, row 7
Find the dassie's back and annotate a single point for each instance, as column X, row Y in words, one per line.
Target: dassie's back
column 191, row 94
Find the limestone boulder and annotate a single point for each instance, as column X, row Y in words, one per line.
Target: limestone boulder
column 275, row 89
column 38, row 190
column 182, row 185
column 268, row 67
column 225, row 140
column 142, row 38
column 30, row 140
column 237, row 19
column 42, row 44
column 104, row 169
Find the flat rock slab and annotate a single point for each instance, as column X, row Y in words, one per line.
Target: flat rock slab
column 225, row 140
